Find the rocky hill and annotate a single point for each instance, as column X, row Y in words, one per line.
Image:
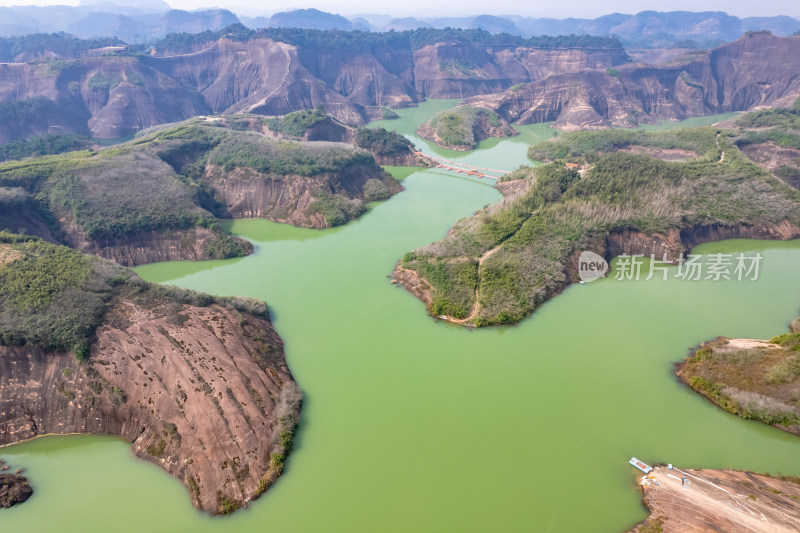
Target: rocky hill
column 115, row 91
column 758, row 69
column 461, row 128
column 159, row 196
column 624, row 192
column 199, row 385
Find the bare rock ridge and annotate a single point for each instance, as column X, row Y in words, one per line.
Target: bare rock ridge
column 758, row 69
column 203, row 392
column 115, row 95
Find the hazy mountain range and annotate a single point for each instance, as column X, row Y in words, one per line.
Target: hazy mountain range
column 154, row 19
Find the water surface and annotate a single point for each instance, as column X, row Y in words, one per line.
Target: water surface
column 412, row 424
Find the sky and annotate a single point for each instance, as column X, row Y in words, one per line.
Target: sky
column 426, row 8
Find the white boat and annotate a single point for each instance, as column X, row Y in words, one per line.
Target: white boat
column 640, row 465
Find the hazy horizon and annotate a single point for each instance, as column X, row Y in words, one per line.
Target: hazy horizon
column 460, row 8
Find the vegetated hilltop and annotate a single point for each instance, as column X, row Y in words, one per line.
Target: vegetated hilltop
column 755, row 379
column 198, row 384
column 159, row 196
column 636, row 192
column 758, row 69
column 114, row 91
column 387, row 147
column 462, row 127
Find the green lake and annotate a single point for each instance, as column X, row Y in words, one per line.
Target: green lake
column 412, row 424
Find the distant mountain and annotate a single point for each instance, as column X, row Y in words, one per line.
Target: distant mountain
column 648, row 29
column 112, row 90
column 407, row 23
column 125, row 7
column 309, row 19
column 111, row 20
column 758, row 69
column 151, row 19
column 145, row 28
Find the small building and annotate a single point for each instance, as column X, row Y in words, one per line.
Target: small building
column 572, row 166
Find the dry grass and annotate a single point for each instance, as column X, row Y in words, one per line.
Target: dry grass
column 751, row 378
column 8, row 253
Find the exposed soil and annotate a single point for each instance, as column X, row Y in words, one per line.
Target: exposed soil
column 715, row 501
column 772, row 157
column 8, row 253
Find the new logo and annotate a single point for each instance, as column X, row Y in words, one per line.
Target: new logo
column 591, row 266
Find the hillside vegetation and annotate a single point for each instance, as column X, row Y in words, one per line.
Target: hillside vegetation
column 45, row 145
column 298, row 122
column 50, row 296
column 169, row 179
column 367, row 41
column 515, row 255
column 53, row 297
column 382, row 142
column 758, row 380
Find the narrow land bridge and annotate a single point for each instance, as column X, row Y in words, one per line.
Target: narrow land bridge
column 462, row 168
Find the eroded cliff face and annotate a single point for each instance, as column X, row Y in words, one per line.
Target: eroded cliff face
column 258, row 76
column 199, row 391
column 289, row 199
column 676, row 242
column 758, row 69
column 247, row 194
column 191, row 244
column 113, row 96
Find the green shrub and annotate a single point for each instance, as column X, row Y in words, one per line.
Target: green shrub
column 388, row 114
column 336, row 209
column 297, row 123
column 55, row 298
column 375, row 189
column 285, row 157
column 46, row 145
column 382, row 142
